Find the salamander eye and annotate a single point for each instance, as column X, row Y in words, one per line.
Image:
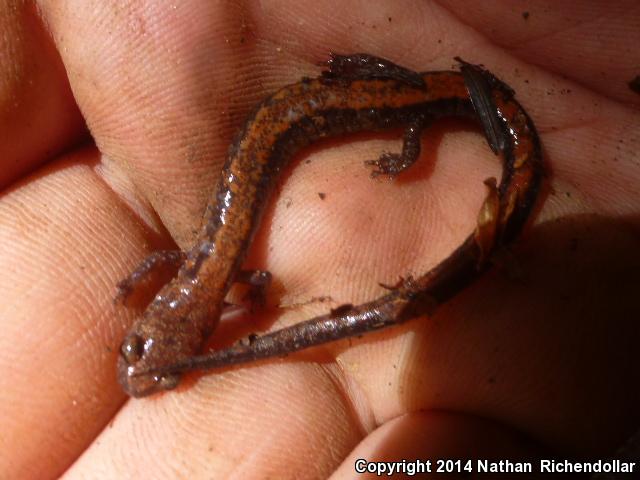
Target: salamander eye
column 132, row 348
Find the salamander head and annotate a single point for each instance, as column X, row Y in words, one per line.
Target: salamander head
column 137, row 355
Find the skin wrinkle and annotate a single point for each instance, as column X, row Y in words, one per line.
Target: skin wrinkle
column 339, row 382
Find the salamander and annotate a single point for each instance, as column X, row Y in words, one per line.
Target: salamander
column 358, row 92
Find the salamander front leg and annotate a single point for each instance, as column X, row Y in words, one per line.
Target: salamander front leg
column 392, row 164
column 148, row 277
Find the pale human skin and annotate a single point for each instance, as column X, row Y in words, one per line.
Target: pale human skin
column 539, row 356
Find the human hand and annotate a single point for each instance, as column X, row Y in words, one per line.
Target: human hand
column 543, row 356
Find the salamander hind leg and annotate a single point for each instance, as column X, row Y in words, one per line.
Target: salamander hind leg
column 362, row 65
column 480, row 84
column 392, row 164
column 258, row 281
column 148, row 277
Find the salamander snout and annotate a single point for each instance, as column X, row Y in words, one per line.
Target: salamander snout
column 135, row 354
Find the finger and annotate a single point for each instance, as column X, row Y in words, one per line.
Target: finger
column 590, row 44
column 38, row 115
column 256, row 422
column 163, row 90
column 66, row 238
column 434, row 444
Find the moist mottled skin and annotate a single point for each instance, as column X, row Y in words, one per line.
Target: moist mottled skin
column 358, row 92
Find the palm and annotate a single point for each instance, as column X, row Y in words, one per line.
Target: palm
column 546, row 352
